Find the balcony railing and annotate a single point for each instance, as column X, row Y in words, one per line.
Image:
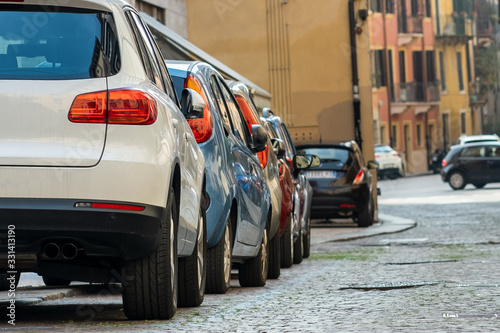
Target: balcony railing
column 415, row 92
column 410, row 25
column 457, row 25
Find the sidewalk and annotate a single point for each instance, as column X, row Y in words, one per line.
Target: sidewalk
column 338, row 230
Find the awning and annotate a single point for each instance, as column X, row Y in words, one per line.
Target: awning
column 175, row 47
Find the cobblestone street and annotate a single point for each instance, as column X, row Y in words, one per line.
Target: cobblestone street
column 441, row 276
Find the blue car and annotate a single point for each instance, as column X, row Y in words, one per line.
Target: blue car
column 239, row 200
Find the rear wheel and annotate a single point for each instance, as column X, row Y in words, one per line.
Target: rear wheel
column 298, row 248
column 457, row 180
column 151, row 292
column 287, row 245
column 365, row 215
column 253, row 272
column 51, row 281
column 219, row 263
column 193, row 269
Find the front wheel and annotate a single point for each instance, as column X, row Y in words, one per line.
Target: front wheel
column 219, row 263
column 298, row 248
column 457, row 180
column 253, row 272
column 287, row 245
column 193, row 269
column 151, row 292
column 307, row 240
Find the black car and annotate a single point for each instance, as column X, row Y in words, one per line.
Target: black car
column 474, row 163
column 342, row 184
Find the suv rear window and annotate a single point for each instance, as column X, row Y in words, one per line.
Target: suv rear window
column 56, row 43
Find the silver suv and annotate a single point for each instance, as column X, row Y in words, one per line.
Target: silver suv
column 100, row 175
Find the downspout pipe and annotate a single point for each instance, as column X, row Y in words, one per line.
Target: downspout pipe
column 355, row 77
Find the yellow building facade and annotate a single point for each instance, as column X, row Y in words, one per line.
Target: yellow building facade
column 454, row 28
column 299, row 51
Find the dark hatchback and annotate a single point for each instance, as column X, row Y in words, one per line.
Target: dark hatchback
column 474, row 163
column 342, row 184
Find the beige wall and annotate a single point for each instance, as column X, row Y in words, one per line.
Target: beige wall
column 299, row 51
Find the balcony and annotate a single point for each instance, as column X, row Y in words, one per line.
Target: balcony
column 416, row 92
column 455, row 28
column 409, row 28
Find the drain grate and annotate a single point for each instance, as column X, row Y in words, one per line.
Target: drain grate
column 421, row 262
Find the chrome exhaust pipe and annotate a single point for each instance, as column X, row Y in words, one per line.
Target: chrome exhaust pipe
column 69, row 251
column 51, row 250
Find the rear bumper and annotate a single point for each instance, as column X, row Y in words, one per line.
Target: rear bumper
column 96, row 232
column 334, row 202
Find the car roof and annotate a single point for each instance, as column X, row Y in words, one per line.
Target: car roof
column 341, row 145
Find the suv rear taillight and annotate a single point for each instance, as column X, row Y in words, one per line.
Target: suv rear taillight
column 444, row 163
column 124, row 107
column 202, row 127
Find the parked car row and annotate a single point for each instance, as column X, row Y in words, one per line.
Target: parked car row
column 116, row 165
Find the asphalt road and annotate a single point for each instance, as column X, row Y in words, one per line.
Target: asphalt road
column 440, row 276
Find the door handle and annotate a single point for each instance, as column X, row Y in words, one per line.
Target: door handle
column 175, row 122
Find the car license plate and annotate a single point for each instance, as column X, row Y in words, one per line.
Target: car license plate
column 321, row 174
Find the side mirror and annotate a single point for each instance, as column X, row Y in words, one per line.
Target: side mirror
column 266, row 112
column 192, row 104
column 372, row 164
column 316, row 161
column 279, row 148
column 259, row 138
column 301, row 162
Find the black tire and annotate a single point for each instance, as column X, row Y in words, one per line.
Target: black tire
column 365, row 215
column 51, row 281
column 5, row 280
column 193, row 269
column 480, row 185
column 274, row 257
column 298, row 248
column 457, row 180
column 287, row 245
column 307, row 240
column 219, row 263
column 253, row 272
column 151, row 292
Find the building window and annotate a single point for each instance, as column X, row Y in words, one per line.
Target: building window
column 432, row 144
column 445, row 131
column 382, row 135
column 376, row 5
column 419, row 135
column 431, row 66
column 415, row 10
column 402, row 67
column 463, row 124
column 378, row 69
column 154, row 11
column 389, row 6
column 394, row 136
column 460, row 72
column 428, row 8
column 441, row 71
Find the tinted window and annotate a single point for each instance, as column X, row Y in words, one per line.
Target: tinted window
column 383, row 149
column 70, row 44
column 334, row 158
column 473, row 152
column 222, row 106
column 178, row 85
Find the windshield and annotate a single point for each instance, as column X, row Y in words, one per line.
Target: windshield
column 70, row 44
